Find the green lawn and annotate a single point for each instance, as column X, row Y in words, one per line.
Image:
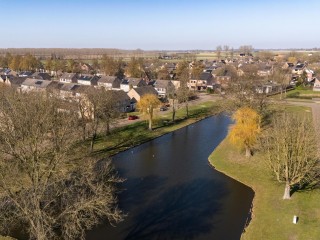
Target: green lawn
column 272, row 216
column 303, row 93
column 136, row 133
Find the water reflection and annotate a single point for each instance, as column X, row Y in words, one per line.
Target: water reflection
column 172, row 192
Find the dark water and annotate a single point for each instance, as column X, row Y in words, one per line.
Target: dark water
column 173, row 193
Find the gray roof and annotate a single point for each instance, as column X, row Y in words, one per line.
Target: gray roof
column 145, row 90
column 162, row 83
column 40, row 75
column 264, row 67
column 16, row 81
column 107, row 79
column 38, row 83
column 68, row 75
column 133, row 81
column 205, row 76
column 119, row 95
column 85, row 77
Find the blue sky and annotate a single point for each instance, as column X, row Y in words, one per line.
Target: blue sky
column 159, row 24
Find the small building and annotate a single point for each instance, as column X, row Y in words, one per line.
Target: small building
column 41, row 75
column 68, row 78
column 31, row 84
column 109, row 82
column 12, row 81
column 264, row 70
column 316, row 86
column 88, row 80
column 129, row 83
column 299, row 68
column 68, row 91
column 204, row 80
column 123, row 101
column 163, row 87
column 269, row 88
column 137, row 93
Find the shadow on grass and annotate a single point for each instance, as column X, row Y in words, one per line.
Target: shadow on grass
column 306, row 187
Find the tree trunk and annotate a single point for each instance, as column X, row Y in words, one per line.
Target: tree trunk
column 286, row 194
column 150, row 123
column 173, row 111
column 84, row 132
column 248, row 152
column 187, row 109
column 108, row 128
column 94, row 135
column 173, row 115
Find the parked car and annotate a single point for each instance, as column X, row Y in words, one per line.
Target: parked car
column 163, row 108
column 132, row 117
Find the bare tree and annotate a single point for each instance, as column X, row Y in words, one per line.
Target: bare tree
column 172, row 95
column 218, row 51
column 53, row 195
column 246, row 49
column 282, row 77
column 231, row 53
column 197, row 69
column 292, row 152
column 102, row 107
column 183, row 92
column 226, row 50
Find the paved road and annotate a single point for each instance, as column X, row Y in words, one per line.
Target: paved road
column 315, row 107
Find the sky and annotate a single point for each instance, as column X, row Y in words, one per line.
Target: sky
column 159, row 24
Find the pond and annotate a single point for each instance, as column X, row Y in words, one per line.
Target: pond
column 172, row 192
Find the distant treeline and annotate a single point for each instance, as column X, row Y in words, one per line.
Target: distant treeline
column 77, row 53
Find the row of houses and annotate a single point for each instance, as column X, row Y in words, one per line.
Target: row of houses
column 126, row 101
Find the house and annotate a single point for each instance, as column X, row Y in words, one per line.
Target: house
column 176, row 83
column 201, row 83
column 264, row 70
column 12, row 81
column 68, row 90
column 68, row 78
column 123, row 101
column 8, row 71
column 269, row 88
column 109, row 82
column 316, row 86
column 31, row 84
column 85, row 67
column 163, row 87
column 41, row 75
column 299, row 68
column 288, row 65
column 3, row 78
column 135, row 94
column 87, row 79
column 309, row 74
column 130, row 83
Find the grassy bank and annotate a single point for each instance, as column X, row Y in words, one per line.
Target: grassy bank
column 272, row 216
column 134, row 134
column 303, row 93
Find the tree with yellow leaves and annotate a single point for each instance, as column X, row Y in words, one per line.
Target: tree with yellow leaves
column 245, row 130
column 147, row 104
